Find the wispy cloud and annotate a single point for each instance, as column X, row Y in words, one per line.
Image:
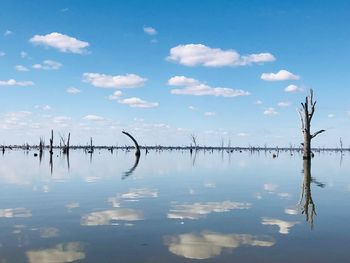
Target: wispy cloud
column 117, row 81
column 93, row 118
column 63, row 43
column 48, row 65
column 209, row 113
column 73, row 90
column 13, row 82
column 284, row 104
column 197, row 88
column 116, row 95
column 279, row 76
column 201, row 55
column 150, row 31
column 21, row 68
column 8, row 33
column 270, row 111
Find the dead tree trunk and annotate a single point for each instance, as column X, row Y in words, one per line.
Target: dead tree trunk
column 51, row 143
column 306, row 114
column 137, row 153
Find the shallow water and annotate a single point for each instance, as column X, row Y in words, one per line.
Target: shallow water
column 174, row 207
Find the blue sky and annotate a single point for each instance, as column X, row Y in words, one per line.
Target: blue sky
column 217, row 69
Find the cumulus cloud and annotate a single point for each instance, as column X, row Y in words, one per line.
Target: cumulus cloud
column 93, row 118
column 150, row 31
column 21, row 68
column 63, row 43
column 284, row 104
column 118, row 81
column 207, row 244
column 199, row 210
column 73, row 90
column 201, row 55
column 293, row 89
column 196, row 88
column 284, row 226
column 13, row 82
column 138, row 103
column 279, row 76
column 48, row 65
column 116, row 95
column 270, row 111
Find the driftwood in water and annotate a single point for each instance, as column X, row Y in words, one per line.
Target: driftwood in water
column 306, row 114
column 137, row 153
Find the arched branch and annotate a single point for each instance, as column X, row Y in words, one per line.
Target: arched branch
column 137, row 153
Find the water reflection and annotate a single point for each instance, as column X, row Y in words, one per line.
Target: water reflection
column 284, row 226
column 199, row 210
column 15, row 212
column 133, row 168
column 65, row 252
column 111, row 217
column 208, row 244
column 306, row 201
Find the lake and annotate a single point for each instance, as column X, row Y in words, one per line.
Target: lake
column 172, row 206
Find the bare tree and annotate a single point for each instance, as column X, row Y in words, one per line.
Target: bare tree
column 306, row 113
column 194, row 140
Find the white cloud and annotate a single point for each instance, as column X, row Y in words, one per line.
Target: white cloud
column 279, row 76
column 138, row 103
column 209, row 113
column 192, row 108
column 284, row 104
column 201, row 55
column 73, row 90
column 196, row 88
column 61, row 42
column 270, row 111
column 242, row 134
column 150, row 31
column 48, row 65
column 258, row 102
column 61, row 119
column 200, row 210
column 21, row 68
column 207, row 244
column 7, row 33
column 13, row 82
column 65, row 252
column 93, row 118
column 118, row 81
column 23, row 54
column 116, row 95
column 284, row 226
column 293, row 89
column 108, row 217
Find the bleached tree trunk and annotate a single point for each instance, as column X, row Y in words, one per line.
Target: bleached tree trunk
column 306, row 113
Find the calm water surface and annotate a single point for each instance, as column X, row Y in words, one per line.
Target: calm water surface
column 174, row 207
